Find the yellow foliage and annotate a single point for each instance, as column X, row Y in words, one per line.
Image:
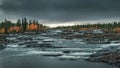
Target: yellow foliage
column 2, row 30
column 116, row 30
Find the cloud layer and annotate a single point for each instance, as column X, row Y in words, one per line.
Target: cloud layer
column 62, row 10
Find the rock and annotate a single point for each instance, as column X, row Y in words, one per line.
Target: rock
column 96, row 41
column 28, row 42
column 91, row 60
column 25, row 38
column 2, row 46
column 67, row 51
column 53, row 55
column 42, row 45
column 111, row 56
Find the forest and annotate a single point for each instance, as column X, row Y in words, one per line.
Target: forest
column 113, row 26
column 23, row 25
column 20, row 26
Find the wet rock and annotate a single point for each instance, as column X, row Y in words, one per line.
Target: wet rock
column 25, row 38
column 42, row 45
column 96, row 41
column 93, row 60
column 67, row 51
column 2, row 46
column 110, row 57
column 28, row 42
column 53, row 55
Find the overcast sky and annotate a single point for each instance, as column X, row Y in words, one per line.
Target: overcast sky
column 61, row 12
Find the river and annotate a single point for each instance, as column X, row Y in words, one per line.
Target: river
column 70, row 54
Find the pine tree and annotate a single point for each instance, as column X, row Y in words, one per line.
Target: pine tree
column 18, row 22
column 24, row 24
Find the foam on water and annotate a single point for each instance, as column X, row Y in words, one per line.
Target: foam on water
column 87, row 49
column 40, row 53
column 12, row 45
column 108, row 45
column 80, row 53
column 18, row 49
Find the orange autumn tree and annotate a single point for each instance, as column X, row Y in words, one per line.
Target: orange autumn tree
column 2, row 30
column 10, row 29
column 14, row 29
column 32, row 27
column 17, row 28
column 117, row 29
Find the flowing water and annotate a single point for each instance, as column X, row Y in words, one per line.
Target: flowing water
column 16, row 56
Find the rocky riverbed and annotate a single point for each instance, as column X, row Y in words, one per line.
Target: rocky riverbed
column 110, row 55
column 63, row 45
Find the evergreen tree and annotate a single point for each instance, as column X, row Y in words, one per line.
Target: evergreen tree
column 24, row 24
column 18, row 22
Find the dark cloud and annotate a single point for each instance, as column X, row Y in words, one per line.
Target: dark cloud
column 63, row 10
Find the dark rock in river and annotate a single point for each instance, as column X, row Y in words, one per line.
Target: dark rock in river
column 25, row 38
column 96, row 41
column 109, row 56
column 43, row 45
column 2, row 46
column 53, row 55
column 67, row 51
column 28, row 42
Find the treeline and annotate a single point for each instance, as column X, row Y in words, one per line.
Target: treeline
column 114, row 26
column 22, row 25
